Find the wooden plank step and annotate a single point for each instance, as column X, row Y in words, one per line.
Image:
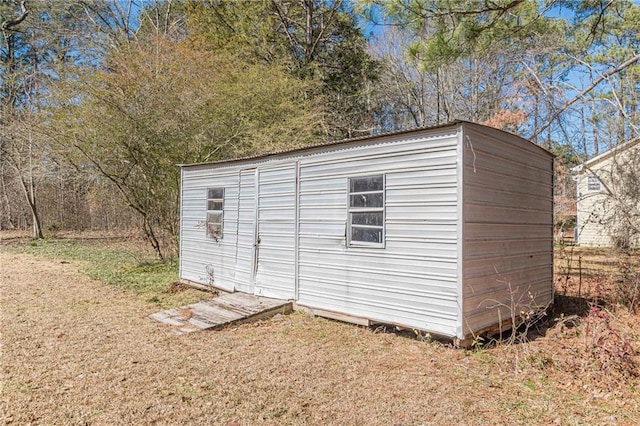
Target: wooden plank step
column 232, row 308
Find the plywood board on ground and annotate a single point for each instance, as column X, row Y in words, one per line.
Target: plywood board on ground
column 221, row 311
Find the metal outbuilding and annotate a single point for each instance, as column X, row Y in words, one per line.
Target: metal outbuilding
column 446, row 229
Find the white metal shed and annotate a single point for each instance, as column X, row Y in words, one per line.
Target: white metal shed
column 445, row 229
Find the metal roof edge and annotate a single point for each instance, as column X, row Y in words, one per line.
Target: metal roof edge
column 275, row 154
column 482, row 126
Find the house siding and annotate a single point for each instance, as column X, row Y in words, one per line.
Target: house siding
column 591, row 213
column 508, row 232
column 596, row 222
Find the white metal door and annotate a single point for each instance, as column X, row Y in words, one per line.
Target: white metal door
column 246, row 243
column 275, row 254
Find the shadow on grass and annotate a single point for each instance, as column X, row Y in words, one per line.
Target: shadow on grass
column 566, row 311
column 571, row 305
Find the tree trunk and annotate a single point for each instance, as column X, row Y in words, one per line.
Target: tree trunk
column 309, row 31
column 7, row 204
column 438, row 95
column 31, row 196
column 148, row 230
column 37, row 226
column 29, row 192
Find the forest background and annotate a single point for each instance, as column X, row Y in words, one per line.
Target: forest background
column 101, row 99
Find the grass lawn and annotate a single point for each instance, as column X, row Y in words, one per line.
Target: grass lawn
column 77, row 348
column 127, row 263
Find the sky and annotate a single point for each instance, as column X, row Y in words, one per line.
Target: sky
column 572, row 83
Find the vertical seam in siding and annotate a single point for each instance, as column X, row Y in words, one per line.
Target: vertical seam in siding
column 296, row 244
column 256, row 229
column 181, row 227
column 237, row 225
column 460, row 267
column 553, row 185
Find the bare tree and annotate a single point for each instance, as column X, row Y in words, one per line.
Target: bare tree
column 18, row 145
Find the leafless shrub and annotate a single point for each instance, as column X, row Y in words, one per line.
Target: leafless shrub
column 606, row 345
column 627, row 286
column 564, row 268
column 525, row 313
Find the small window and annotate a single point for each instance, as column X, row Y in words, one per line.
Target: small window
column 215, row 212
column 366, row 211
column 593, row 183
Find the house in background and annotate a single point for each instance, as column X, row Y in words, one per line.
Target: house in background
column 447, row 229
column 607, row 199
column 564, row 213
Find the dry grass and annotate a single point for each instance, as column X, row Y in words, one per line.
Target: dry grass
column 77, row 351
column 595, row 274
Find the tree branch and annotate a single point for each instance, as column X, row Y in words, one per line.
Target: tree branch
column 6, row 25
column 488, row 7
column 293, row 41
column 586, row 90
column 113, row 179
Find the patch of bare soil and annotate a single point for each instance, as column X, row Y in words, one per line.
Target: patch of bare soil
column 75, row 351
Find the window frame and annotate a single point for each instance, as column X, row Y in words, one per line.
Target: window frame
column 217, row 236
column 592, row 182
column 351, row 210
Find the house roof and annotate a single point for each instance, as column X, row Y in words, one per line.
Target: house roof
column 321, row 145
column 610, row 153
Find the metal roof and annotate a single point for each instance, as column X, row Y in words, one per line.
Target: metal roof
column 347, row 141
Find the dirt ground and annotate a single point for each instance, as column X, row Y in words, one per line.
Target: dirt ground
column 76, row 351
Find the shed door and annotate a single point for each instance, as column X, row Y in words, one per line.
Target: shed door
column 246, row 244
column 275, row 268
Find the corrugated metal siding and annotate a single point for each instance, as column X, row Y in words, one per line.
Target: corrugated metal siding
column 246, row 232
column 413, row 280
column 276, row 230
column 508, row 227
column 202, row 259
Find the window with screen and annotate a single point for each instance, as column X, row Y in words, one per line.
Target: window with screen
column 593, row 183
column 215, row 210
column 366, row 211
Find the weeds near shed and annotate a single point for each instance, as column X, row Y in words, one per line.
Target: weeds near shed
column 423, row 336
column 606, row 345
column 611, row 275
column 524, row 313
column 627, row 286
column 564, row 266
